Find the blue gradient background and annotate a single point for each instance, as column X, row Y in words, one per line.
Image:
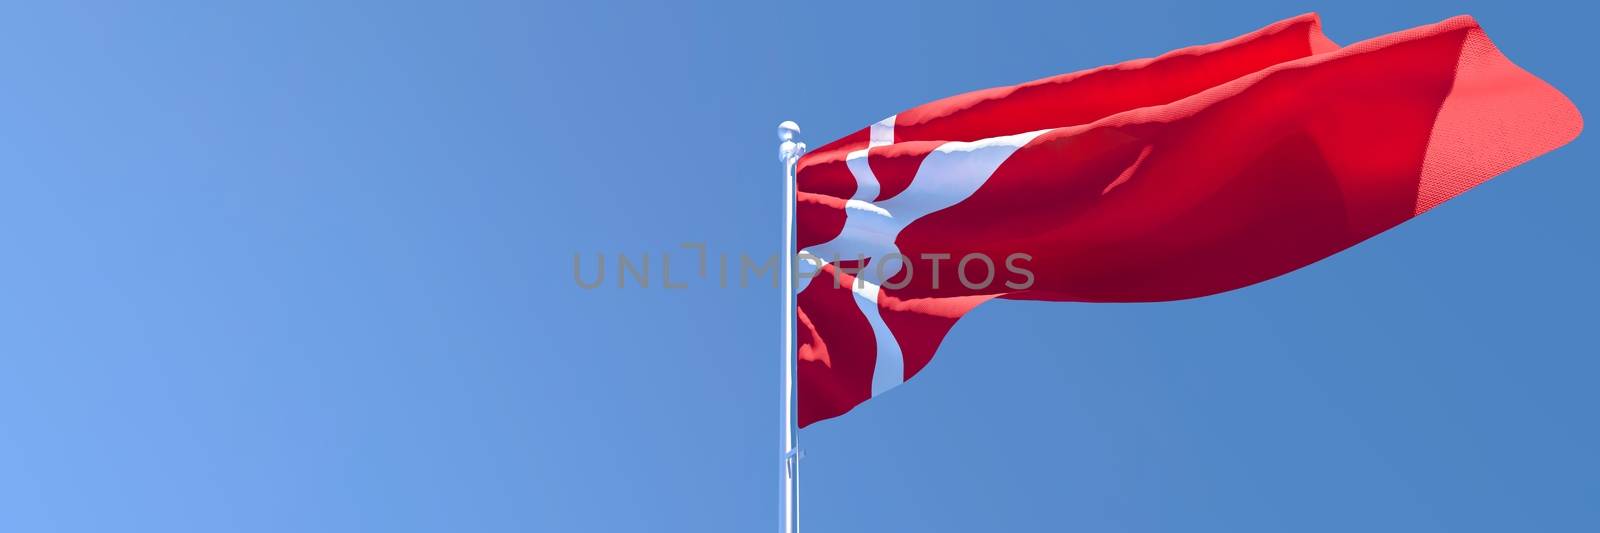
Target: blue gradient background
column 306, row 266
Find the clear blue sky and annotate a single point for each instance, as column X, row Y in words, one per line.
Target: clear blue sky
column 306, row 266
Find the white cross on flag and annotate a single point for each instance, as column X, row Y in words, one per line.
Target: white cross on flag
column 1200, row 171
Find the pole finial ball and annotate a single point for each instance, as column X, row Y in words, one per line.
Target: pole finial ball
column 788, row 130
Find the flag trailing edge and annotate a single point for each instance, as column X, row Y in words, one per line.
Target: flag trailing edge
column 1200, row 171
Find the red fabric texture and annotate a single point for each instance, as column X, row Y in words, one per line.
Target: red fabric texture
column 1201, row 171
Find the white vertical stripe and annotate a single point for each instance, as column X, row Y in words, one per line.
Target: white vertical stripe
column 882, row 132
column 890, row 368
column 866, row 182
column 948, row 175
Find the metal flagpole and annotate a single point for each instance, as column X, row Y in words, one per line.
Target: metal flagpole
column 789, row 153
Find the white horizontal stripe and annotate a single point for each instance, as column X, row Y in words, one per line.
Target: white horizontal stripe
column 948, row 175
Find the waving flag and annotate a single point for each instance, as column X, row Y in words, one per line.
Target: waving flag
column 1200, row 171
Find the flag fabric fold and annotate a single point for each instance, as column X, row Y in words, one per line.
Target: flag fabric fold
column 1203, row 170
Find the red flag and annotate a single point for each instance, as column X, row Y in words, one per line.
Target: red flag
column 1200, row 171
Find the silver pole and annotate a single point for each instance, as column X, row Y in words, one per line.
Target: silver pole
column 789, row 152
